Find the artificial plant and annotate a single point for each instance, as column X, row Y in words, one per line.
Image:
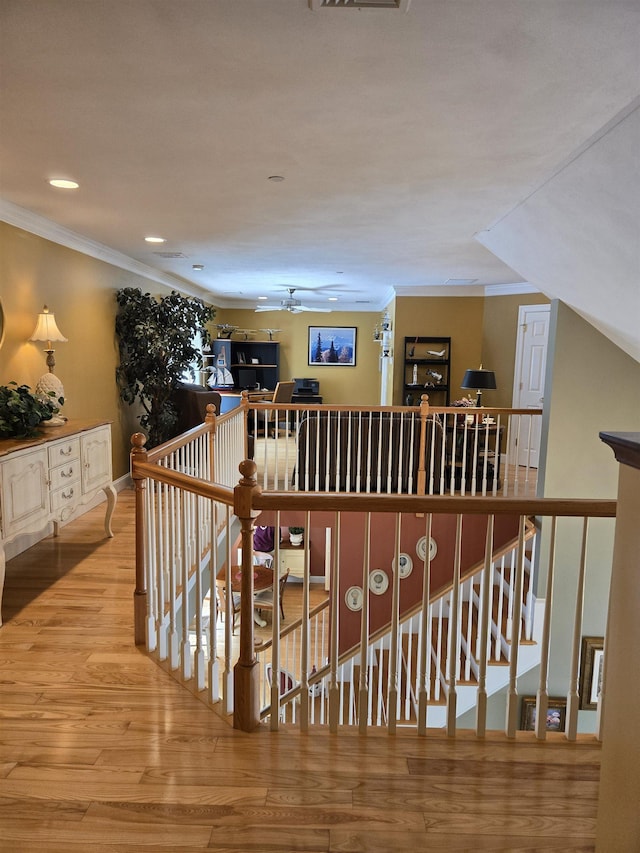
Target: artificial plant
column 157, row 338
column 22, row 411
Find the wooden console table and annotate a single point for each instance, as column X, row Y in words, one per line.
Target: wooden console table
column 49, row 478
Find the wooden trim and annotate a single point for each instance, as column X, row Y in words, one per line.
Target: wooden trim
column 449, row 505
column 223, row 494
column 73, row 427
column 625, row 445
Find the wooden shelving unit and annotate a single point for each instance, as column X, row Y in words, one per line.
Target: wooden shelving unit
column 427, row 363
column 250, row 363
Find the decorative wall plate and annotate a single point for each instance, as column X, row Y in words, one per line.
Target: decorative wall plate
column 378, row 581
column 353, row 598
column 406, row 565
column 421, row 548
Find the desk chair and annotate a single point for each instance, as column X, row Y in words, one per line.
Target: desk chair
column 282, row 394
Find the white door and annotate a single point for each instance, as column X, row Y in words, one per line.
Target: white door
column 528, row 386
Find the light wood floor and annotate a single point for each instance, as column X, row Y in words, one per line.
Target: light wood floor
column 101, row 750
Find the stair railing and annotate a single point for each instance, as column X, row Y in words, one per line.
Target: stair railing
column 362, row 663
column 392, row 449
column 189, row 526
column 453, row 633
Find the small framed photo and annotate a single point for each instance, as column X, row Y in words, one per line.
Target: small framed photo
column 556, row 714
column 591, row 668
column 255, row 361
column 332, row 346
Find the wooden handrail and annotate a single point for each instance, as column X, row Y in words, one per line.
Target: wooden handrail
column 262, row 647
column 186, row 482
column 446, row 504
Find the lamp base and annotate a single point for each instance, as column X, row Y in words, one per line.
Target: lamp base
column 56, row 420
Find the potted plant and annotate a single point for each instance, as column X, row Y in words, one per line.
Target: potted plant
column 22, row 412
column 295, row 535
column 157, row 342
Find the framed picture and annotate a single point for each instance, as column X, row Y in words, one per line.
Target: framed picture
column 556, row 714
column 255, row 361
column 591, row 665
column 332, row 346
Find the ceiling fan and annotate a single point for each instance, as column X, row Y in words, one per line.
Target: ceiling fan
column 293, row 306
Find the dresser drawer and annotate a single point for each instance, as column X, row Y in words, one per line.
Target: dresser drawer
column 64, row 475
column 65, row 500
column 67, row 450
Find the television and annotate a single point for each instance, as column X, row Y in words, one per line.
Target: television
column 247, row 379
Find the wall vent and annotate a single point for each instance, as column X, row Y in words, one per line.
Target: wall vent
column 170, row 256
column 400, row 5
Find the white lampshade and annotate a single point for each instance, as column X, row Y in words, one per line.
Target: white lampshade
column 47, row 329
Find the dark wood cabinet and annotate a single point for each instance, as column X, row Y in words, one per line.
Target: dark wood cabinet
column 427, row 362
column 242, row 364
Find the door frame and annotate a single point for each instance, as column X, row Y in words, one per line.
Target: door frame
column 518, row 366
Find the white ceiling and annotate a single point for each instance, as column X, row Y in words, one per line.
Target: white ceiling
column 399, row 135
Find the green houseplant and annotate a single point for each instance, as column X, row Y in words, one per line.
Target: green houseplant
column 22, row 412
column 296, row 535
column 156, row 339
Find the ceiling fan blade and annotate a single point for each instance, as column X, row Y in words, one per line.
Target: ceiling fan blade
column 261, row 310
column 315, row 310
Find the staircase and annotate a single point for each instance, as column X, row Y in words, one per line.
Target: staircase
column 382, row 682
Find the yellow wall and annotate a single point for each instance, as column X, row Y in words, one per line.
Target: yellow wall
column 499, row 335
column 80, row 291
column 459, row 318
column 359, row 385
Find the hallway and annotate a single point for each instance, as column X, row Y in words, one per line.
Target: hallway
column 101, row 750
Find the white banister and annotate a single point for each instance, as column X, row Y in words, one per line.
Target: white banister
column 418, row 668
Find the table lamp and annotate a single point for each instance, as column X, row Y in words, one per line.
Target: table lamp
column 481, row 380
column 47, row 330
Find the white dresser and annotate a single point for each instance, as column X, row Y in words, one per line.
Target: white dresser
column 292, row 558
column 49, row 479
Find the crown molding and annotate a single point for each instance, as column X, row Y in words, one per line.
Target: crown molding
column 18, row 216
column 442, row 290
column 468, row 289
column 510, row 289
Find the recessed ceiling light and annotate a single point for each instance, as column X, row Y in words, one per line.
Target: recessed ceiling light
column 197, row 267
column 275, row 178
column 155, row 240
column 333, row 299
column 262, row 297
column 64, row 184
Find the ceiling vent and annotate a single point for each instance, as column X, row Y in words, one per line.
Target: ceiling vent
column 400, row 5
column 170, row 256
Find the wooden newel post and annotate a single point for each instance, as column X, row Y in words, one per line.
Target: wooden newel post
column 139, row 454
column 422, row 469
column 246, row 684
